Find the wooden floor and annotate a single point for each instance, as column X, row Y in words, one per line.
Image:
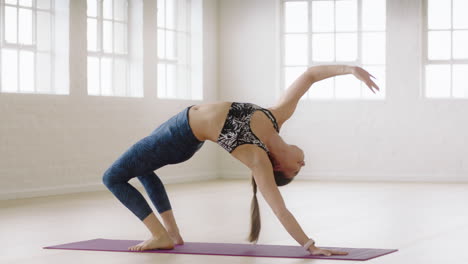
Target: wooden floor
column 428, row 223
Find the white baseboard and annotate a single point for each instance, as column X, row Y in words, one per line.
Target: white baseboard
column 449, row 177
column 98, row 186
column 179, row 178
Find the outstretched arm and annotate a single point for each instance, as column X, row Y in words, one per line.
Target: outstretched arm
column 288, row 102
column 263, row 175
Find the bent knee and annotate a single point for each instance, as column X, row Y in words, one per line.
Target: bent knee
column 106, row 178
column 112, row 176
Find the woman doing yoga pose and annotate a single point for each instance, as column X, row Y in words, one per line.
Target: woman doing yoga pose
column 248, row 132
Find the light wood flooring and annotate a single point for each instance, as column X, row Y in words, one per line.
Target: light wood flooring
column 427, row 222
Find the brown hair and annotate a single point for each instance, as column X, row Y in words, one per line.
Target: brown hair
column 255, row 224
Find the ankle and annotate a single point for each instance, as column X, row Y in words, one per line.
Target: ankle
column 172, row 231
column 160, row 234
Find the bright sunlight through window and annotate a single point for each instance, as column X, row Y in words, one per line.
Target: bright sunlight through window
column 349, row 32
column 179, row 49
column 446, row 58
column 34, row 46
column 109, row 67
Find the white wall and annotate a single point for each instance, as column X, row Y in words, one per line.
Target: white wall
column 404, row 138
column 51, row 144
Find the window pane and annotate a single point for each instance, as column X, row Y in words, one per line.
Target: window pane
column 460, row 44
column 438, row 81
column 43, row 4
column 346, row 46
column 26, row 70
column 27, row 3
column 323, row 16
column 460, row 19
column 347, row 87
column 295, row 49
column 295, row 16
column 10, row 24
column 170, row 14
column 43, row 73
column 120, row 10
column 161, row 80
column 379, row 73
column 92, row 34
column 460, row 81
column 43, row 31
column 171, row 81
column 291, row 74
column 170, row 45
column 439, row 45
column 438, row 14
column 107, row 36
column 373, row 14
column 106, row 76
column 183, row 17
column 107, row 9
column 12, row 2
column 120, row 38
column 92, row 8
column 323, row 47
column 373, row 48
column 93, row 76
column 346, row 15
column 120, row 77
column 9, row 70
column 161, row 13
column 182, row 48
column 162, row 44
column 25, row 26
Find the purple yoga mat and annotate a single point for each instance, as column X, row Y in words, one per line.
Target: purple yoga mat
column 226, row 249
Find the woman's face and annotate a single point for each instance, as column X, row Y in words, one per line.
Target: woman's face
column 293, row 161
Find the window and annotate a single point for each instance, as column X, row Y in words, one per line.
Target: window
column 446, row 56
column 109, row 60
column 179, row 31
column 33, row 42
column 349, row 32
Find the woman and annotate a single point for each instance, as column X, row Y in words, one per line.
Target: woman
column 248, row 132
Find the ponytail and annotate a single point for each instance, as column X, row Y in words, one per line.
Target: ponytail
column 255, row 215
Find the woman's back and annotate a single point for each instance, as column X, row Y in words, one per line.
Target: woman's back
column 207, row 121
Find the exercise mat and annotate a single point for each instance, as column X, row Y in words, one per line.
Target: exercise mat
column 225, row 249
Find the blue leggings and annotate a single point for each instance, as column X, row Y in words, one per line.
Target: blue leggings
column 172, row 142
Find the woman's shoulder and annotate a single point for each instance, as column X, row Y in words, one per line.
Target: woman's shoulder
column 250, row 155
column 277, row 115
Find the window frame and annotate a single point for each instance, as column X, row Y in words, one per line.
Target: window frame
column 18, row 47
column 425, row 61
column 359, row 32
column 175, row 62
column 100, row 53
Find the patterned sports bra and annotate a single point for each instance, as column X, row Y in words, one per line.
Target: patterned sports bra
column 236, row 130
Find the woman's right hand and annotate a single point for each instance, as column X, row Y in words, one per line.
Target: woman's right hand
column 364, row 76
column 318, row 251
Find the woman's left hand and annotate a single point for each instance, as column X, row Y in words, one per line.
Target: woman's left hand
column 364, row 76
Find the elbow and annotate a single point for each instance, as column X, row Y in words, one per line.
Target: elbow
column 311, row 74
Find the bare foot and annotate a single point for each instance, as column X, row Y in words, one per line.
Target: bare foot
column 163, row 242
column 176, row 238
